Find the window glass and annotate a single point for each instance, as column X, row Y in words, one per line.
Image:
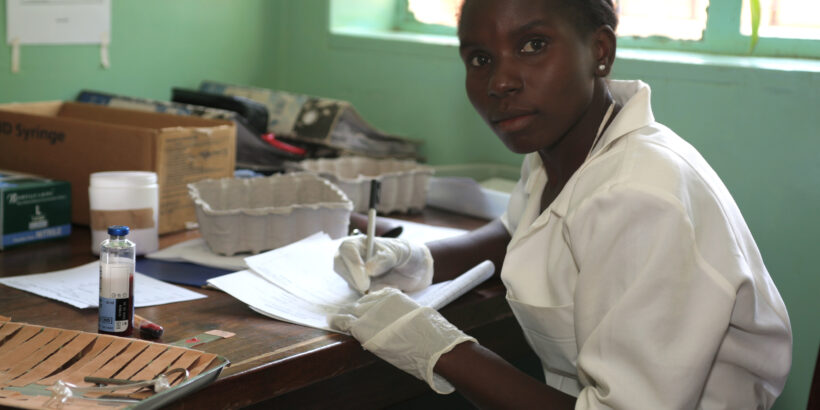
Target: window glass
column 675, row 19
column 784, row 19
column 788, row 28
column 440, row 12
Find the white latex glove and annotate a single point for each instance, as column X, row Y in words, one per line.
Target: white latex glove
column 401, row 332
column 395, row 263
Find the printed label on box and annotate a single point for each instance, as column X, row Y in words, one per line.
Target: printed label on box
column 33, row 209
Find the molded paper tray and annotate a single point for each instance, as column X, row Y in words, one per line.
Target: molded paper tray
column 403, row 182
column 33, row 358
column 259, row 214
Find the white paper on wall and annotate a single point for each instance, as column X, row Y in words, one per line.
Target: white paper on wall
column 58, row 21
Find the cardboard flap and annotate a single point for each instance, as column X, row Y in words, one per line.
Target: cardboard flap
column 133, row 118
column 47, row 108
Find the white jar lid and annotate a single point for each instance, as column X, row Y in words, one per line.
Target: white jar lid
column 118, row 179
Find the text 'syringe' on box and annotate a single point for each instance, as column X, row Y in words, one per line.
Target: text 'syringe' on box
column 70, row 141
column 33, row 209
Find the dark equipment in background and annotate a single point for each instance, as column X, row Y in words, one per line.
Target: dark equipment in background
column 256, row 148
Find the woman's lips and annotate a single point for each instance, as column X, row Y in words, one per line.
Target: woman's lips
column 514, row 123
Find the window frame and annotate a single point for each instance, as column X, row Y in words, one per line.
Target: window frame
column 721, row 35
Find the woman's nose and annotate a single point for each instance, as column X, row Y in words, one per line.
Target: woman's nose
column 504, row 81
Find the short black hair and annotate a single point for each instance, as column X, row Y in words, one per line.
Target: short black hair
column 588, row 14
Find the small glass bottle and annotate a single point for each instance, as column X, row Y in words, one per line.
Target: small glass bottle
column 117, row 263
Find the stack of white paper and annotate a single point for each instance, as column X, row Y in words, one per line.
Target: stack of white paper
column 297, row 284
column 80, row 287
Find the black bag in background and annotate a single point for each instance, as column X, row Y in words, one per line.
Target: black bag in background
column 253, row 151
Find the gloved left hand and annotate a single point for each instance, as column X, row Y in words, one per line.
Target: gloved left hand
column 400, row 331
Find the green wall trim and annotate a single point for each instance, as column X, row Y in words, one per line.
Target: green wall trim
column 794, row 65
column 435, row 45
column 368, row 14
column 431, row 45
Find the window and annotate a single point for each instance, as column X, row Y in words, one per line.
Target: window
column 675, row 19
column 784, row 19
column 442, row 12
column 788, row 28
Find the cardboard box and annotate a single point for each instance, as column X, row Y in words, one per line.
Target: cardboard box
column 70, row 141
column 33, row 209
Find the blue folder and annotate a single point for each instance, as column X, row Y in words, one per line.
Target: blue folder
column 183, row 273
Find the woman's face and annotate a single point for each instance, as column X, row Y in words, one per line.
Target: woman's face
column 530, row 73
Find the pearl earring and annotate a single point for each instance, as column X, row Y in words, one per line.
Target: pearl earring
column 601, row 67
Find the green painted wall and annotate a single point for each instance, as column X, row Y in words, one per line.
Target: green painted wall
column 757, row 126
column 155, row 45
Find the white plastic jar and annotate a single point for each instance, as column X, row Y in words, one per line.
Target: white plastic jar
column 129, row 198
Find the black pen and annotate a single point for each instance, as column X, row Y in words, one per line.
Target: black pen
column 375, row 186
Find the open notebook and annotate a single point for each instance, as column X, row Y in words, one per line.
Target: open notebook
column 297, row 284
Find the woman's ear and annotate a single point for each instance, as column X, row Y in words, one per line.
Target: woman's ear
column 604, row 43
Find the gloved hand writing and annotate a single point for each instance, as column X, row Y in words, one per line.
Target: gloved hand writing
column 395, row 263
column 395, row 328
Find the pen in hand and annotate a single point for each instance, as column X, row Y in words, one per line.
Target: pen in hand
column 375, row 186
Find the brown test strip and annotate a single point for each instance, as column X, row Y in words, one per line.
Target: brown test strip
column 159, row 365
column 203, row 364
column 117, row 363
column 7, row 329
column 113, row 350
column 42, row 356
column 38, row 355
column 26, row 348
column 153, row 369
column 56, row 361
column 100, row 343
column 16, row 340
column 185, row 361
column 136, row 364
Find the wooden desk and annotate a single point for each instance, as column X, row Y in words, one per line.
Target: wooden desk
column 273, row 363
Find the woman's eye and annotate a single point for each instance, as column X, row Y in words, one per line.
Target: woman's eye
column 533, row 46
column 479, row 60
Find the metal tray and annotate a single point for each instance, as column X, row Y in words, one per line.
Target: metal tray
column 34, row 359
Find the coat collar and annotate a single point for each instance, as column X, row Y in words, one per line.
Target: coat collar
column 636, row 113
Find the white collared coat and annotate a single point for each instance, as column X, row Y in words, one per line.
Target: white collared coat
column 640, row 286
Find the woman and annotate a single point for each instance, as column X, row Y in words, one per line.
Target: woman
column 627, row 262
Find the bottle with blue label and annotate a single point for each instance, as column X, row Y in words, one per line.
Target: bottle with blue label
column 117, row 263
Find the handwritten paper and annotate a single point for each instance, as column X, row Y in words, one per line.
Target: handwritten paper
column 305, row 268
column 80, row 287
column 297, row 284
column 271, row 300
